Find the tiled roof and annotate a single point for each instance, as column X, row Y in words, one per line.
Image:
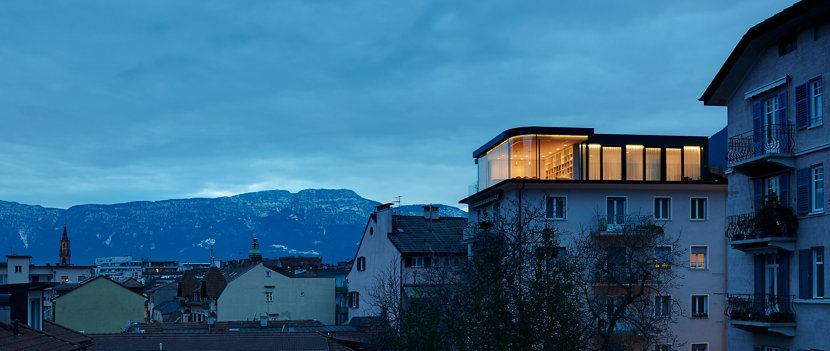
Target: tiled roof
column 233, row 272
column 215, row 283
column 30, row 339
column 415, row 234
column 226, row 342
column 168, row 307
column 65, row 333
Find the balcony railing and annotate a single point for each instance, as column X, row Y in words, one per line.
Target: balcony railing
column 769, row 139
column 626, row 224
column 768, row 308
column 770, row 224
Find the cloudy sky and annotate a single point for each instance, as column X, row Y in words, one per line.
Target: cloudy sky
column 148, row 100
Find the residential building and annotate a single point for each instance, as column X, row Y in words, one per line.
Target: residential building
column 772, row 86
column 402, row 249
column 119, row 267
column 99, row 306
column 341, row 288
column 588, row 184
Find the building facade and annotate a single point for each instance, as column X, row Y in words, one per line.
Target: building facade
column 772, row 87
column 588, row 184
column 99, row 306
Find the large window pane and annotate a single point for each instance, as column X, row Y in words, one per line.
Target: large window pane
column 634, row 162
column 691, row 162
column 612, row 163
column 498, row 164
column 594, row 165
column 523, row 157
column 653, row 163
column 556, row 158
column 673, row 165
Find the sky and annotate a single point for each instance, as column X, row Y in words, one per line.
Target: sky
column 108, row 102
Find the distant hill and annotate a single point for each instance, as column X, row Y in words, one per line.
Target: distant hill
column 316, row 222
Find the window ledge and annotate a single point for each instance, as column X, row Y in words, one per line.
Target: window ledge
column 698, row 269
column 697, row 219
column 556, row 219
column 813, row 301
column 816, row 213
column 699, row 317
column 815, row 125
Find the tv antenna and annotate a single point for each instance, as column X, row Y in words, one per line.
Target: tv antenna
column 398, row 203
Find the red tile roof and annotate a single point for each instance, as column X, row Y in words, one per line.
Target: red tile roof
column 30, row 339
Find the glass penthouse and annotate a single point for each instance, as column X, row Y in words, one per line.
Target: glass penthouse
column 578, row 154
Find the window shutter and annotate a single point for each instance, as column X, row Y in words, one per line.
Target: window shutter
column 802, row 107
column 757, row 127
column 804, row 279
column 820, row 273
column 759, row 283
column 784, row 278
column 784, row 192
column 803, row 190
column 758, row 184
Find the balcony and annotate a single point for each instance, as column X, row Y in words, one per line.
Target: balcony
column 769, row 227
column 622, row 225
column 762, row 150
column 762, row 313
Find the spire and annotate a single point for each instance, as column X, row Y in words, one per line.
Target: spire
column 255, row 255
column 65, row 255
column 65, row 237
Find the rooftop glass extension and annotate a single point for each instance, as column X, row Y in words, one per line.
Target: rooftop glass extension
column 588, row 156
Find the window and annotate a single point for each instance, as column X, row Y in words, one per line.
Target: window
column 691, row 162
column 361, row 264
column 662, row 306
column 634, row 162
column 64, row 279
column 817, row 188
column 817, row 270
column 699, row 347
column 18, row 269
column 354, row 299
column 673, row 164
column 662, row 347
column 555, row 207
column 698, row 209
column 815, row 102
column 594, row 165
column 612, row 163
column 615, row 213
column 786, row 45
column 698, row 257
column 662, row 257
column 269, row 296
column 662, row 208
column 653, row 163
column 700, row 306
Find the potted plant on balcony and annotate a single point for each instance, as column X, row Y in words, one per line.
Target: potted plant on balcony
column 774, row 219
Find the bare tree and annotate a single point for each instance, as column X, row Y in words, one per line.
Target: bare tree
column 625, row 277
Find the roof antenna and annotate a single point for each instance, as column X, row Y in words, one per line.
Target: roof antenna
column 398, row 203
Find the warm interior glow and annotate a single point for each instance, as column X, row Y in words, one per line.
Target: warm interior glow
column 634, row 162
column 691, row 162
column 673, row 165
column 612, row 163
column 653, row 163
column 594, row 167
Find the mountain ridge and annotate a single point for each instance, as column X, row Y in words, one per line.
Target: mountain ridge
column 319, row 222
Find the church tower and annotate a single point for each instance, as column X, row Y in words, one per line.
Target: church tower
column 64, row 254
column 255, row 255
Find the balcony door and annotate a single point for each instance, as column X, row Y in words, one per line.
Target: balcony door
column 772, row 277
column 615, row 212
column 771, row 135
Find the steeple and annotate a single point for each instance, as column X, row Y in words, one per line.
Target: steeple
column 255, row 255
column 65, row 254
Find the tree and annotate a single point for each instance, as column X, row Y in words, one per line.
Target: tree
column 625, row 276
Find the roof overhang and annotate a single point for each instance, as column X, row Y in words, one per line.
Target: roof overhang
column 758, row 38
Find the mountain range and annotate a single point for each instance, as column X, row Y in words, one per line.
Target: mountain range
column 313, row 222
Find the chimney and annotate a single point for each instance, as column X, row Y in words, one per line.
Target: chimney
column 431, row 212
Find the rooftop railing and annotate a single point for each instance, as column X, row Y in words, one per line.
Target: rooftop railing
column 769, row 139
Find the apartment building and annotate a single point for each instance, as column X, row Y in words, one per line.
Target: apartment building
column 584, row 183
column 772, row 85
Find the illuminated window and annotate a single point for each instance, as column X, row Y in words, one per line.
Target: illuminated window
column 662, row 257
column 698, row 257
column 612, row 163
column 673, row 164
column 691, row 162
column 653, row 163
column 594, row 165
column 634, row 162
column 523, row 157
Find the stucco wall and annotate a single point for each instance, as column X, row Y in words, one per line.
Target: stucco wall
column 100, row 306
column 381, row 256
column 587, row 200
column 293, row 298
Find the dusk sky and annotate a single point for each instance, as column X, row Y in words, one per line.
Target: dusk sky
column 114, row 101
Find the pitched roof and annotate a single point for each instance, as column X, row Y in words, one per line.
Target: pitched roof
column 232, row 272
column 745, row 45
column 30, row 339
column 65, row 333
column 168, row 307
column 415, row 234
column 88, row 281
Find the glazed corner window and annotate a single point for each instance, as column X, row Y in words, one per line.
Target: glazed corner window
column 662, row 208
column 698, row 259
column 700, row 306
column 361, row 264
column 555, row 207
column 698, row 208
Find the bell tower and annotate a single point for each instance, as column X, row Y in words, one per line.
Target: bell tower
column 64, row 254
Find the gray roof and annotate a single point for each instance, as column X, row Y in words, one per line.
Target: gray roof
column 415, row 234
column 168, row 307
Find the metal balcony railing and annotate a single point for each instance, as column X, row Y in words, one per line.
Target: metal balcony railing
column 745, row 227
column 770, row 308
column 769, row 139
column 626, row 224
